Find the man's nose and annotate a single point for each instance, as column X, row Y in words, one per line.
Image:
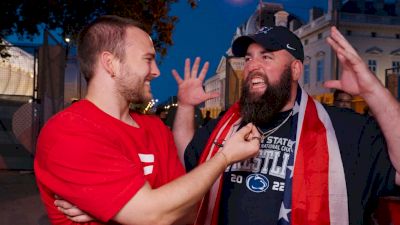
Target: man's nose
column 155, row 72
column 253, row 65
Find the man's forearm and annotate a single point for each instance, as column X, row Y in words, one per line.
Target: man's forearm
column 183, row 128
column 170, row 203
column 386, row 110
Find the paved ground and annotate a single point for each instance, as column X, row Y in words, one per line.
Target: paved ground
column 19, row 199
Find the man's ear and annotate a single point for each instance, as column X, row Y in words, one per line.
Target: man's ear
column 107, row 61
column 297, row 68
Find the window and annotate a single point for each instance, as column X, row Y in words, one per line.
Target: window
column 372, row 65
column 396, row 66
column 319, row 36
column 373, row 34
column 348, row 32
column 397, row 36
column 306, row 73
column 306, row 42
column 320, row 70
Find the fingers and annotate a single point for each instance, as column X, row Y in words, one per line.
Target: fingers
column 254, row 135
column 250, row 133
column 255, row 132
column 71, row 211
column 191, row 72
column 195, row 67
column 178, row 78
column 245, row 143
column 187, row 69
column 203, row 71
column 336, row 84
column 341, row 52
column 246, row 131
column 210, row 95
column 341, row 40
column 343, row 49
column 345, row 57
column 81, row 218
column 67, row 208
column 63, row 204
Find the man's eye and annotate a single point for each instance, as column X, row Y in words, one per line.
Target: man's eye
column 246, row 59
column 267, row 57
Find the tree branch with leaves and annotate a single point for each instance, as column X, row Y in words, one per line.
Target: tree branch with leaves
column 27, row 18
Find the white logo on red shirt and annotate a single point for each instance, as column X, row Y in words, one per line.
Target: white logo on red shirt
column 147, row 158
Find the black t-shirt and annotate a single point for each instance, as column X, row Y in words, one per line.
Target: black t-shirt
column 248, row 185
column 368, row 171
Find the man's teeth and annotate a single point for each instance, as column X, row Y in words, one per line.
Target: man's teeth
column 257, row 81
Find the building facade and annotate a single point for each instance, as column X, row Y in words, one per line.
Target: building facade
column 372, row 27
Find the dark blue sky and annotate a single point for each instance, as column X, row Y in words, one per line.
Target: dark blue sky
column 207, row 32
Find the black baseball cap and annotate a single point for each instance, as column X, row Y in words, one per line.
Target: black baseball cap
column 271, row 38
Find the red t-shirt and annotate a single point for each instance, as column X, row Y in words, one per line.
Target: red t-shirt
column 98, row 163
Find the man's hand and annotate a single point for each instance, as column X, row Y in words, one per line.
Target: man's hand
column 190, row 88
column 356, row 78
column 242, row 145
column 72, row 212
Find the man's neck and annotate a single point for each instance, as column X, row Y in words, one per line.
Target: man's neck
column 111, row 103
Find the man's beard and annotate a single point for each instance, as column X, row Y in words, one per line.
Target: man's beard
column 262, row 109
column 131, row 87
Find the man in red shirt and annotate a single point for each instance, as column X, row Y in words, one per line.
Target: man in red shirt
column 114, row 164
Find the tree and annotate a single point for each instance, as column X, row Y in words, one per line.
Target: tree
column 27, row 17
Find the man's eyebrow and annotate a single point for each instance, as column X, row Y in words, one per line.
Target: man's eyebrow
column 153, row 55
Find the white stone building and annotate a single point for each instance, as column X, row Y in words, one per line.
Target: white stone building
column 372, row 27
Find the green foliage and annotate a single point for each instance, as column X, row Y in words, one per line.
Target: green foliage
column 28, row 17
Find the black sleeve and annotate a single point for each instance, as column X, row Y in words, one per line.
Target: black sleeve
column 381, row 172
column 368, row 169
column 197, row 144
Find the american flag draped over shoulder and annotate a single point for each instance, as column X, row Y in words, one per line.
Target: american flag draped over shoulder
column 315, row 193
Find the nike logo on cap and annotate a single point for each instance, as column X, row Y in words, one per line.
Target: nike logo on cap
column 290, row 47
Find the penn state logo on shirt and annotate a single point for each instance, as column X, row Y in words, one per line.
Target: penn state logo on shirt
column 257, row 183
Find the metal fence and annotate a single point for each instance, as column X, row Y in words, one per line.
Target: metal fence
column 32, row 81
column 18, row 111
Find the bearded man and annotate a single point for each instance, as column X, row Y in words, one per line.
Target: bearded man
column 316, row 164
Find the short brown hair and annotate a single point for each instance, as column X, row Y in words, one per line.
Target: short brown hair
column 106, row 33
